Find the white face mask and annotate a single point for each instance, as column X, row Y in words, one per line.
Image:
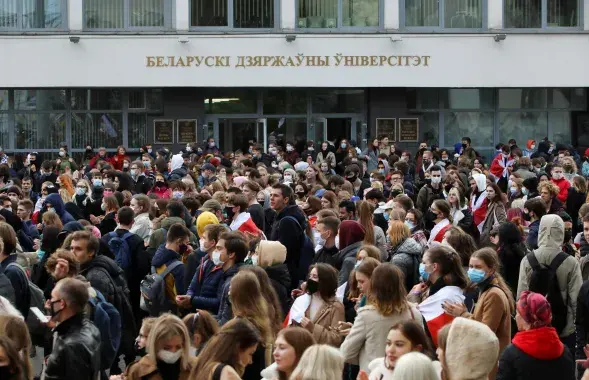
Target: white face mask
column 217, row 258
column 255, row 260
column 169, row 357
column 201, row 243
column 436, row 179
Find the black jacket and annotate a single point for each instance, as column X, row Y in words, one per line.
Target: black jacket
column 257, row 213
column 326, row 255
column 573, row 203
column 582, row 320
column 281, row 282
column 290, row 234
column 143, row 184
column 108, row 224
column 76, row 351
column 20, row 284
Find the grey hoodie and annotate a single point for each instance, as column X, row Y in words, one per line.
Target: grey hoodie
column 550, row 239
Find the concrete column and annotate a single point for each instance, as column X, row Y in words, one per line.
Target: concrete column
column 495, row 14
column 288, row 15
column 182, row 15
column 75, row 15
column 392, row 16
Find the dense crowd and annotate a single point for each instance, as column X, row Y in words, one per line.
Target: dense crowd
column 304, row 261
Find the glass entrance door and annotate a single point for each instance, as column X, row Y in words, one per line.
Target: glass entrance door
column 319, row 130
column 237, row 133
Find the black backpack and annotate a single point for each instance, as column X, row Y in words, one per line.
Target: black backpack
column 544, row 281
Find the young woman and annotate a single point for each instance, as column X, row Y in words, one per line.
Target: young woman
column 15, row 329
column 289, row 347
column 160, row 187
column 351, row 235
column 108, row 224
column 11, row 364
column 201, row 326
column 414, row 220
column 319, row 311
column 444, row 280
column 141, row 340
column 325, row 155
column 313, row 176
column 167, row 352
column 247, row 302
column 401, row 339
column 329, row 201
column 301, row 190
column 141, row 204
column 326, row 169
column 440, row 215
column 373, row 233
column 405, row 252
column 268, row 291
column 495, row 214
column 478, row 199
column 362, row 275
column 229, row 352
column 496, row 302
column 462, row 243
column 461, row 215
column 387, row 306
column 319, row 361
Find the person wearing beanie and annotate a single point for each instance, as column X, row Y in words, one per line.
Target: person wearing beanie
column 351, row 237
column 530, row 148
column 471, row 351
column 536, row 351
column 203, row 220
column 271, row 255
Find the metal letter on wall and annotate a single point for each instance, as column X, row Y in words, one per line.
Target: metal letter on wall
column 409, row 130
column 186, row 131
column 386, row 128
column 163, row 131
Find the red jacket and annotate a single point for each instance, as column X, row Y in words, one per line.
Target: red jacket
column 117, row 161
column 161, row 192
column 563, row 185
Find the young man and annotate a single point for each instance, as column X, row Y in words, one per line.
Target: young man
column 501, row 167
column 467, row 150
column 534, row 210
column 347, row 210
column 175, row 212
column 27, row 189
column 207, row 176
column 251, row 189
column 203, row 292
column 24, row 212
column 229, row 254
column 239, row 219
column 177, row 245
column 327, row 229
column 142, row 183
column 431, row 191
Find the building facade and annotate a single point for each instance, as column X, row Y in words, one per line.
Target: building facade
column 128, row 72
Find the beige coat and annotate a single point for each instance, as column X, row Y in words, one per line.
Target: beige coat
column 326, row 322
column 367, row 338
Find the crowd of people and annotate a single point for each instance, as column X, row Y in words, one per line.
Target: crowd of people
column 304, row 261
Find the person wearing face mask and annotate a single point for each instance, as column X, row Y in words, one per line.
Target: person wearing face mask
column 65, row 162
column 501, row 168
column 495, row 304
column 327, row 229
column 439, row 214
column 530, row 148
column 310, row 151
column 290, row 155
column 359, row 184
column 160, row 188
column 172, row 254
column 76, row 344
column 56, row 203
column 326, row 155
column 179, row 170
column 370, row 155
column 431, row 191
column 495, row 215
column 211, row 147
column 168, row 352
column 239, row 219
column 557, row 178
column 271, row 257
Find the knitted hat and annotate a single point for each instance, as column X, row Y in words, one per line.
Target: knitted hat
column 534, row 309
column 215, row 161
column 204, row 220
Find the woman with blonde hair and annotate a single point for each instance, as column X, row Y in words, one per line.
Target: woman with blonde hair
column 229, row 352
column 65, row 195
column 313, row 176
column 167, row 352
column 319, row 362
column 270, row 295
column 15, row 329
column 415, row 366
column 405, row 252
column 248, row 302
column 387, row 306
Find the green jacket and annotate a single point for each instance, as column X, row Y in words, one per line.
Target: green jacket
column 158, row 237
column 65, row 163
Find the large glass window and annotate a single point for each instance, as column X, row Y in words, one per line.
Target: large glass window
column 522, row 126
column 468, row 98
column 32, row 14
column 324, row 13
column 231, row 101
column 528, row 98
column 285, row 102
column 477, row 125
column 39, row 130
column 541, row 13
column 127, row 14
column 97, row 129
column 430, row 126
column 338, row 101
column 446, row 14
column 39, row 100
column 250, row 14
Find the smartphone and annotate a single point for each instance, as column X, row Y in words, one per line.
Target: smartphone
column 40, row 316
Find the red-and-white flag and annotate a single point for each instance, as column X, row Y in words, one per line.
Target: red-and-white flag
column 432, row 311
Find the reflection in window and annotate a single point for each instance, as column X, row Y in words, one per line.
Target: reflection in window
column 515, row 98
column 457, row 14
column 137, row 129
column 147, row 13
column 4, row 127
column 104, row 14
column 97, row 99
column 430, row 127
column 39, row 131
column 360, row 13
column 33, row 14
column 97, row 129
column 3, row 99
column 285, row 101
column 422, row 13
column 563, row 13
column 338, row 101
column 246, row 13
column 468, row 98
column 39, row 99
column 477, row 125
column 110, row 14
column 573, row 98
column 423, row 98
column 528, row 13
column 522, row 126
column 560, row 124
column 282, row 130
column 317, row 14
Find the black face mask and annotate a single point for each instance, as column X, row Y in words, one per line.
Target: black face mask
column 568, row 235
column 463, row 146
column 6, row 372
column 261, row 203
column 300, row 194
column 183, row 249
column 527, row 216
column 139, row 351
column 395, row 193
column 160, row 184
column 352, row 177
column 229, row 212
column 431, row 216
column 426, row 163
column 312, row 286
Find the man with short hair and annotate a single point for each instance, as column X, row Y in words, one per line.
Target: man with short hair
column 335, row 183
column 347, row 210
column 240, row 220
column 177, row 246
column 534, row 210
column 260, row 157
column 431, row 191
column 143, row 183
column 375, row 197
column 230, row 252
column 251, row 189
column 24, row 211
column 352, row 174
column 76, row 341
column 327, row 228
column 207, row 175
column 288, row 228
column 175, row 212
column 27, row 189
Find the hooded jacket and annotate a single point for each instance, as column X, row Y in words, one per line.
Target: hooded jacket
column 543, row 151
column 290, row 234
column 178, row 169
column 550, row 240
column 536, row 354
column 175, row 280
column 472, row 350
column 351, row 236
column 57, row 203
column 99, row 271
column 271, row 257
column 407, row 256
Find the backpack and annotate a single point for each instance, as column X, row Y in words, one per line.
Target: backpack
column 36, row 329
column 544, row 281
column 307, row 251
column 120, row 248
column 154, row 299
column 6, row 289
column 107, row 320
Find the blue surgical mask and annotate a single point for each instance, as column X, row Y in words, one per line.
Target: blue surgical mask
column 40, row 254
column 97, row 182
column 525, row 191
column 476, row 275
column 386, row 216
column 424, row 275
column 409, row 224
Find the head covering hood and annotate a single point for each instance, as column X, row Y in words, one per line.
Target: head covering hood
column 350, row 232
column 270, row 253
column 57, row 203
column 481, row 181
column 177, row 161
column 534, row 309
column 530, row 143
column 551, row 232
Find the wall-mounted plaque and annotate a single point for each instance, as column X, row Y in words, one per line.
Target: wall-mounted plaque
column 386, row 127
column 186, row 131
column 163, row 131
column 409, row 130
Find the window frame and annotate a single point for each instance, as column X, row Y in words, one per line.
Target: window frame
column 340, row 28
column 230, row 21
column 441, row 14
column 544, row 24
column 64, row 23
column 169, row 19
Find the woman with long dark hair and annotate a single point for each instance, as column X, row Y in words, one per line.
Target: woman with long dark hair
column 495, row 215
column 511, row 250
